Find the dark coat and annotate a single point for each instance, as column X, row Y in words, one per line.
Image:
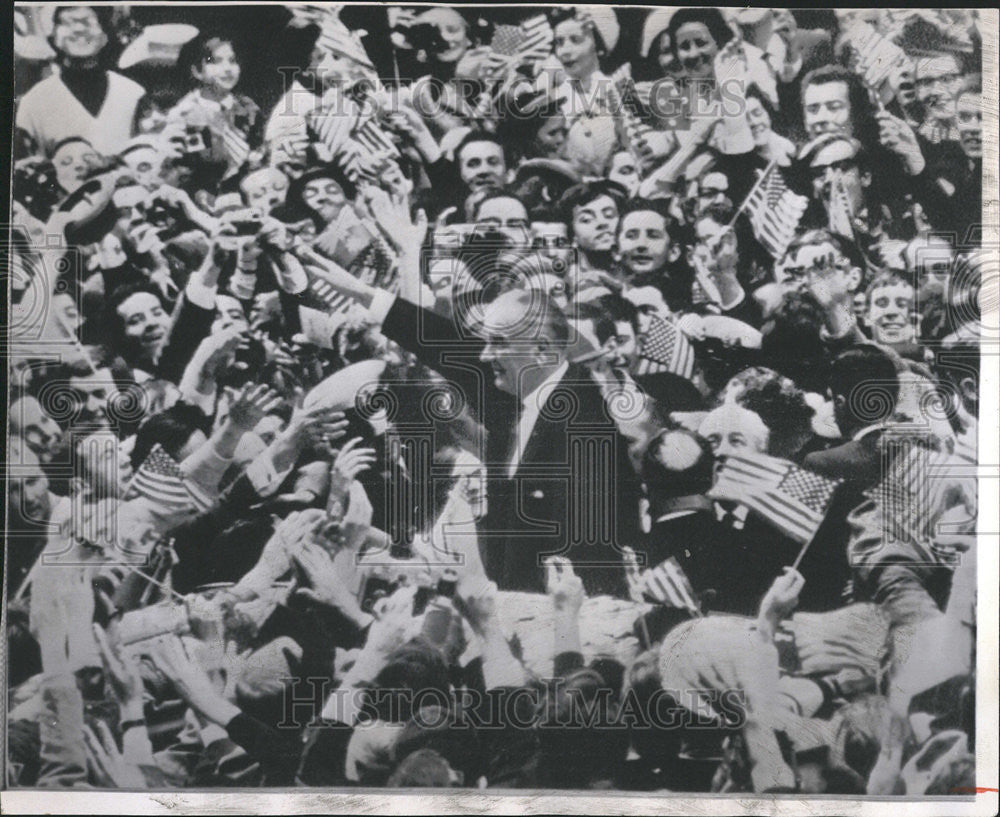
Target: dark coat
column 574, row 493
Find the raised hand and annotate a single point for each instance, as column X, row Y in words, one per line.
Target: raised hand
column 781, row 598
column 251, row 404
column 314, row 426
column 564, row 587
column 216, row 352
column 358, row 519
column 331, row 580
column 351, row 460
column 898, row 136
column 107, row 764
column 190, row 679
column 393, row 217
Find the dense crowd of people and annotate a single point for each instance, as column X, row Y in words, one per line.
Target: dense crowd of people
column 315, row 372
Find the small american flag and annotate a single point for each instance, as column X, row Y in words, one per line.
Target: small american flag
column 839, row 215
column 235, row 144
column 915, row 489
column 664, row 348
column 370, row 136
column 332, row 127
column 160, row 479
column 667, row 584
column 336, row 302
column 366, row 149
column 791, row 498
column 506, row 40
column 874, row 57
column 775, row 212
column 537, row 37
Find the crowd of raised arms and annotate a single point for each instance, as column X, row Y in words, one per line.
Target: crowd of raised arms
column 511, row 397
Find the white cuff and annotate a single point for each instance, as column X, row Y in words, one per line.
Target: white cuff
column 264, row 478
column 293, row 279
column 382, row 302
column 200, row 295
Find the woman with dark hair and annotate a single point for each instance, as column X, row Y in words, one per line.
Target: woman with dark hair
column 715, row 67
column 82, row 98
column 761, row 114
column 696, row 37
column 212, row 64
column 534, row 128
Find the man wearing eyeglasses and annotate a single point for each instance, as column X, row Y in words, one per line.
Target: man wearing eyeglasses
column 825, row 265
column 938, row 82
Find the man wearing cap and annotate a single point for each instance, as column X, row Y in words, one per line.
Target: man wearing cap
column 81, row 98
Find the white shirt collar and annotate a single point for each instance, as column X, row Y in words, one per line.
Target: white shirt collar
column 866, row 431
column 531, row 408
column 549, row 381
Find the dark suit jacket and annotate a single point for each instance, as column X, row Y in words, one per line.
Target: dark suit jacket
column 857, row 462
column 732, row 568
column 574, row 493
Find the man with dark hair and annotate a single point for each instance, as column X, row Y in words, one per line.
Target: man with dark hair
column 677, row 471
column 481, row 160
column 649, row 245
column 833, row 101
column 864, row 386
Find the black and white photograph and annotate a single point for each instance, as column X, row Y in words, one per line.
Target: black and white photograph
column 490, row 408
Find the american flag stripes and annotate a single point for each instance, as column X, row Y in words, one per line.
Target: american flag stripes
column 160, row 479
column 664, row 348
column 874, row 57
column 916, row 487
column 791, row 498
column 332, row 127
column 336, row 302
column 235, row 144
column 775, row 212
column 538, row 37
column 373, row 139
column 667, row 584
column 840, row 218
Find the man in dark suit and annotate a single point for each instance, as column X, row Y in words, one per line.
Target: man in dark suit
column 864, row 382
column 558, row 470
